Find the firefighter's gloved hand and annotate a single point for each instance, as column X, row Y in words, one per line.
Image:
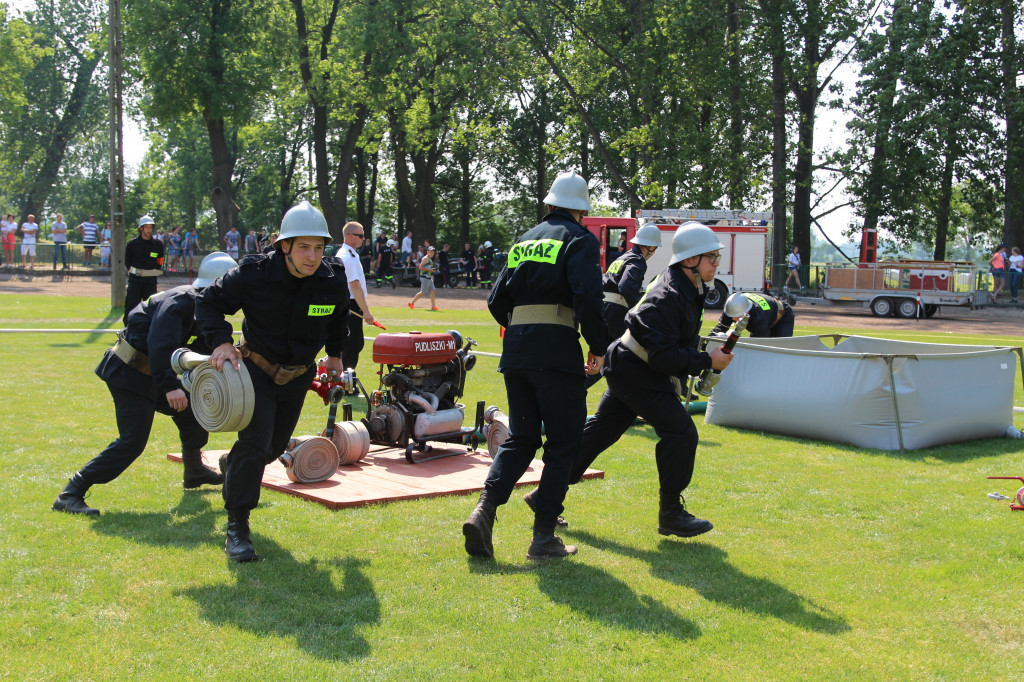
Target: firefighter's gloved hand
column 720, row 358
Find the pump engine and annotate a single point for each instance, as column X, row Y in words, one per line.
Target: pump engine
column 422, row 377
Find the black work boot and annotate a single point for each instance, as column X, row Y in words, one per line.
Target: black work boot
column 528, row 498
column 238, row 547
column 197, row 473
column 547, row 545
column 479, row 526
column 72, row 498
column 673, row 519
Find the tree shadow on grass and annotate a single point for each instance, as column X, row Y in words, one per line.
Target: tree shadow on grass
column 597, row 595
column 322, row 604
column 705, row 569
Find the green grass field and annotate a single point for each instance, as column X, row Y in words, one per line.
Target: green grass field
column 826, row 562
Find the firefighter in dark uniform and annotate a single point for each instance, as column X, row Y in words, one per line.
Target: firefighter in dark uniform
column 143, row 258
column 486, row 261
column 769, row 317
column 140, row 379
column 295, row 302
column 551, row 284
column 646, row 368
column 622, row 283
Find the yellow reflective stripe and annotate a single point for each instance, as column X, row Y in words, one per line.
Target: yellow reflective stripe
column 152, row 254
column 191, row 340
column 536, row 250
column 320, row 310
column 641, row 301
column 616, row 266
column 759, row 300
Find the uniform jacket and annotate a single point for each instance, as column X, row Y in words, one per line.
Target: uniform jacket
column 764, row 313
column 666, row 323
column 156, row 327
column 556, row 262
column 144, row 254
column 625, row 276
column 288, row 319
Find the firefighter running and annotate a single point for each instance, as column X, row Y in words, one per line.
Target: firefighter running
column 646, row 368
column 550, row 285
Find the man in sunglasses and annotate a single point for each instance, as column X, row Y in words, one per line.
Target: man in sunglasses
column 359, row 309
column 647, row 367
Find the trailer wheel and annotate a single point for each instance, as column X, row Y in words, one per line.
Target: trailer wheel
column 930, row 309
column 716, row 296
column 882, row 306
column 907, row 308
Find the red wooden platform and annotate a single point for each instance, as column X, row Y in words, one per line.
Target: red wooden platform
column 385, row 476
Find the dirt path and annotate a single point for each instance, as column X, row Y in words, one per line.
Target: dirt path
column 999, row 320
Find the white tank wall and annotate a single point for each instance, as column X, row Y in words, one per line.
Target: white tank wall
column 801, row 387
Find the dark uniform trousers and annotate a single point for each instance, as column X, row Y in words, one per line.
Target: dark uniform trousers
column 619, row 407
column 355, row 341
column 274, row 417
column 536, row 396
column 134, row 414
column 139, row 289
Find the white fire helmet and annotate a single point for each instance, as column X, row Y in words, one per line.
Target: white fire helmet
column 212, row 267
column 569, row 190
column 648, row 235
column 303, row 220
column 693, row 239
column 146, row 220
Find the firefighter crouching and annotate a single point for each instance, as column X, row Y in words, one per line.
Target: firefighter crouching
column 138, row 374
column 647, row 367
column 295, row 302
column 768, row 317
column 551, row 284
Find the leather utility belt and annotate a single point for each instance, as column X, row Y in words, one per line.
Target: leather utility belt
column 281, row 374
column 138, row 272
column 634, row 346
column 543, row 314
column 618, row 299
column 131, row 357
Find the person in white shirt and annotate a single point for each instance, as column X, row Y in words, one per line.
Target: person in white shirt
column 794, row 270
column 29, row 230
column 1016, row 271
column 59, row 232
column 359, row 309
column 406, row 254
column 90, row 232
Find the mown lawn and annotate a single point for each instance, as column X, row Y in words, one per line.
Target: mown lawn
column 826, row 562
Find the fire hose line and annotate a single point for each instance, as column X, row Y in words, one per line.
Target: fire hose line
column 352, row 440
column 309, row 459
column 221, row 401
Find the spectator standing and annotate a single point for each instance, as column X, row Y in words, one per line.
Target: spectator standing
column 469, row 258
column 105, row 255
column 358, row 307
column 8, row 232
column 29, row 230
column 105, row 233
column 174, row 248
column 446, row 267
column 997, row 266
column 1016, row 272
column 232, row 240
column 90, row 232
column 406, row 255
column 189, row 247
column 59, row 232
column 251, row 243
column 268, row 247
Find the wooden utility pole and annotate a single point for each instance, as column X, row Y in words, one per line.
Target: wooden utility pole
column 118, row 276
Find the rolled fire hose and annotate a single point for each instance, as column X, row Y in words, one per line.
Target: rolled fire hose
column 221, row 401
column 309, row 459
column 497, row 429
column 352, row 441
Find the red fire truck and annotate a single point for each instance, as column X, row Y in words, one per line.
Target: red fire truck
column 745, row 234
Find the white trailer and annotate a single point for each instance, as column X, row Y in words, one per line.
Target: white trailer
column 899, row 287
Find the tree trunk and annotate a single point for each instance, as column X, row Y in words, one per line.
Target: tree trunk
column 779, row 140
column 945, row 199
column 1013, row 98
column 223, row 169
column 736, row 173
column 57, row 145
column 465, row 196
